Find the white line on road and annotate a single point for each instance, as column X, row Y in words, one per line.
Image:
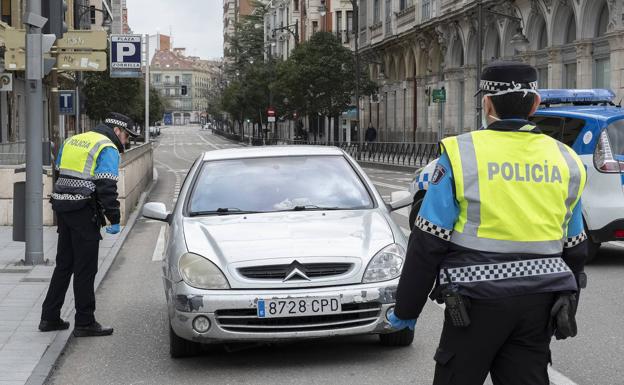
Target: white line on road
column 159, row 250
column 208, row 143
column 557, row 378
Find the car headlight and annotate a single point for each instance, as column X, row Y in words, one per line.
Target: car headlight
column 385, row 265
column 199, row 272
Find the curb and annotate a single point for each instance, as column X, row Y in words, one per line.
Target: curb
column 47, row 362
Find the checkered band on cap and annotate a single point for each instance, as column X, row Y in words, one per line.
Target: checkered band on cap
column 574, row 241
column 494, row 86
column 498, row 271
column 433, row 229
column 116, row 122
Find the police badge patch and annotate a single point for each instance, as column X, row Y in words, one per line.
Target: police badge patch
column 438, row 174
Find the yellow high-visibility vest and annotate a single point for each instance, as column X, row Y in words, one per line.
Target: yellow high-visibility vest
column 516, row 190
column 80, row 153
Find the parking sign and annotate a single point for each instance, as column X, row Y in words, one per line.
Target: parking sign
column 125, row 56
column 67, row 102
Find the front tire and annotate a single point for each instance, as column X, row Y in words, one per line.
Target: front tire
column 403, row 337
column 179, row 347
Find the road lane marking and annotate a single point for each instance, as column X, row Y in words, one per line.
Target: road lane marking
column 208, row 142
column 557, row 378
column 159, row 250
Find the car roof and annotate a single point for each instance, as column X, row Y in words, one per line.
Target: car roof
column 601, row 113
column 271, row 151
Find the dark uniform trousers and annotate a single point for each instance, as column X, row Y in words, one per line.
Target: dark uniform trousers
column 507, row 337
column 77, row 254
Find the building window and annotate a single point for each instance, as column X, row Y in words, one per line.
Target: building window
column 177, row 80
column 314, row 26
column 339, row 23
column 376, row 11
column 569, row 75
column 92, row 14
column 602, row 73
column 405, row 4
column 349, row 21
column 6, row 11
column 543, row 38
column 603, row 21
column 296, row 6
column 426, row 10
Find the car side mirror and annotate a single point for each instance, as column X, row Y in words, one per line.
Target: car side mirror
column 156, row 210
column 400, row 199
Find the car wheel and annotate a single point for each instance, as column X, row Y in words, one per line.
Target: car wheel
column 179, row 347
column 403, row 337
column 414, row 211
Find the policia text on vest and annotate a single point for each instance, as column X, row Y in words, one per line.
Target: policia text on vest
column 540, row 173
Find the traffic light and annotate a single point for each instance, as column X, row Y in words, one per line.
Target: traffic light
column 54, row 11
column 183, row 90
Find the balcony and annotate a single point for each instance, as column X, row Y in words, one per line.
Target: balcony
column 406, row 16
column 376, row 29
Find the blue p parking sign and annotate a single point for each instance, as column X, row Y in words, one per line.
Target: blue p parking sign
column 126, row 56
column 67, row 102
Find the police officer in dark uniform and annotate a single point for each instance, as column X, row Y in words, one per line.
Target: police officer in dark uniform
column 500, row 236
column 84, row 196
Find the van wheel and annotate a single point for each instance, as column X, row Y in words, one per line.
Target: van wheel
column 414, row 211
column 179, row 347
column 403, row 337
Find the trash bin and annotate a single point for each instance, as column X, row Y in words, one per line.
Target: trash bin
column 19, row 222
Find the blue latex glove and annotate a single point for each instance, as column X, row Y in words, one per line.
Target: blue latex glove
column 113, row 229
column 399, row 324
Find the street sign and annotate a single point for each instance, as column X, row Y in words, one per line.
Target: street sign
column 67, row 102
column 81, row 61
column 439, row 95
column 270, row 111
column 126, row 56
column 271, row 119
column 6, row 82
column 87, row 40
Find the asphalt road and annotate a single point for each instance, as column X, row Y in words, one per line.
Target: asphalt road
column 131, row 299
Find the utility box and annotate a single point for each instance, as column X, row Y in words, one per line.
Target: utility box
column 19, row 222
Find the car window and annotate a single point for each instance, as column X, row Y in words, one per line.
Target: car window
column 615, row 131
column 278, row 183
column 565, row 130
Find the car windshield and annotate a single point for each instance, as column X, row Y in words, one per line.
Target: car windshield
column 277, row 184
column 615, row 131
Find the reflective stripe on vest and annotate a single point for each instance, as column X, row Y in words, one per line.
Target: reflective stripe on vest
column 516, row 191
column 80, row 153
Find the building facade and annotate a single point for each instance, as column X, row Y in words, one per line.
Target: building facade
column 232, row 12
column 184, row 83
column 413, row 47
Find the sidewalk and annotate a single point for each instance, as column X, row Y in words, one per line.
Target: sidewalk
column 22, row 291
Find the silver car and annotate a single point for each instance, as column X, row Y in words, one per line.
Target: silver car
column 279, row 243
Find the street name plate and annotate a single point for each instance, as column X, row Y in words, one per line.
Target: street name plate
column 439, row 95
column 81, row 61
column 88, row 40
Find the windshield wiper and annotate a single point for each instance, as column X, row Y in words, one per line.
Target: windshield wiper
column 312, row 208
column 223, row 211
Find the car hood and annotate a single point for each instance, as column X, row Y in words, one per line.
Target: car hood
column 240, row 238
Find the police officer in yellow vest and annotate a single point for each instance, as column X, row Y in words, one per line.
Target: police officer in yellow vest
column 84, row 196
column 500, row 235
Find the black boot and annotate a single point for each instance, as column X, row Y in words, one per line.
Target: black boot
column 48, row 326
column 92, row 330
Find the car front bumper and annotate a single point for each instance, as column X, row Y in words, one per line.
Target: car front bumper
column 232, row 313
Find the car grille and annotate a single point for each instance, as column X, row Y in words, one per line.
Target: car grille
column 312, row 270
column 246, row 320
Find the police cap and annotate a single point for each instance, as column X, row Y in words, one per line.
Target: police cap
column 502, row 77
column 115, row 119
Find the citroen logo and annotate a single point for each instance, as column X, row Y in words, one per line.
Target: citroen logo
column 296, row 271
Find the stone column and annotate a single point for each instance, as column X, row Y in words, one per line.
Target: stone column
column 616, row 43
column 470, row 74
column 584, row 64
column 555, row 68
column 409, row 110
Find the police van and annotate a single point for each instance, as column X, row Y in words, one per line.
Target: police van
column 590, row 123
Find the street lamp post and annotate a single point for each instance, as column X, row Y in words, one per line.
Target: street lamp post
column 287, row 28
column 356, row 31
column 518, row 41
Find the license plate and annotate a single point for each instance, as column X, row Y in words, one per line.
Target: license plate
column 297, row 307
